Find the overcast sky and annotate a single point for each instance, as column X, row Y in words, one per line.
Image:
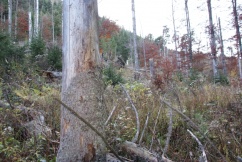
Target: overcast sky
column 152, row 15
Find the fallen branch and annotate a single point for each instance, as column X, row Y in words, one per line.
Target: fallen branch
column 146, row 123
column 203, row 157
column 111, row 114
column 133, row 149
column 90, row 126
column 168, row 137
column 196, row 127
column 136, row 114
column 156, row 121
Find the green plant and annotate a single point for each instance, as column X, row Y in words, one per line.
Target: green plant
column 222, row 79
column 37, row 48
column 54, row 58
column 111, row 76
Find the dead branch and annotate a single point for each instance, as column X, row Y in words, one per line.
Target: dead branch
column 203, row 157
column 146, row 123
column 90, row 126
column 133, row 149
column 187, row 119
column 168, row 137
column 136, row 114
column 156, row 121
column 111, row 114
column 152, row 140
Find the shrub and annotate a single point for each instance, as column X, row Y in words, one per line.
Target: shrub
column 54, row 58
column 111, row 76
column 37, row 48
column 222, row 79
column 8, row 51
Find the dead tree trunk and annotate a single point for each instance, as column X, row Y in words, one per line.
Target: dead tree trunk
column 222, row 49
column 10, row 9
column 16, row 20
column 212, row 40
column 234, row 3
column 53, row 24
column 189, row 34
column 136, row 58
column 178, row 63
column 36, row 18
column 81, row 84
column 30, row 23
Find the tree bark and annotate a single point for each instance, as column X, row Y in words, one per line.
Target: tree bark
column 234, row 3
column 222, row 49
column 212, row 39
column 136, row 57
column 10, row 9
column 178, row 61
column 189, row 34
column 81, row 83
column 53, row 24
column 16, row 20
column 36, row 18
column 30, row 24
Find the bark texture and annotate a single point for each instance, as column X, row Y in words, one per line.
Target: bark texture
column 189, row 34
column 234, row 3
column 10, row 9
column 212, row 39
column 136, row 57
column 81, row 86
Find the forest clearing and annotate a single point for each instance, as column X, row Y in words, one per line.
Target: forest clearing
column 75, row 86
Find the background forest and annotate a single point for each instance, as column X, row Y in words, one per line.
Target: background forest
column 179, row 92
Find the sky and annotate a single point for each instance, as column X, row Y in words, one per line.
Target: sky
column 152, row 15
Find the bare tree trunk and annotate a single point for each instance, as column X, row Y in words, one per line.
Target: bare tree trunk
column 36, row 18
column 53, row 25
column 16, row 21
column 234, row 3
column 10, row 9
column 81, row 83
column 222, row 49
column 178, row 63
column 152, row 73
column 136, row 57
column 189, row 34
column 144, row 55
column 212, row 39
column 30, row 24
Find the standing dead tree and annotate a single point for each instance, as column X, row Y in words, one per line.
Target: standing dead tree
column 81, row 84
column 212, row 40
column 238, row 37
column 136, row 57
column 189, row 33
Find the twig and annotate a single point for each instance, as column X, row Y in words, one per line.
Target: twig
column 169, row 133
column 136, row 114
column 196, row 127
column 203, row 157
column 90, row 126
column 153, row 136
column 146, row 123
column 111, row 114
column 152, row 140
column 6, row 96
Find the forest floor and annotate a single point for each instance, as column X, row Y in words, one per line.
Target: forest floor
column 169, row 111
